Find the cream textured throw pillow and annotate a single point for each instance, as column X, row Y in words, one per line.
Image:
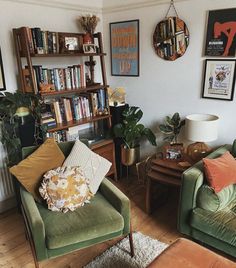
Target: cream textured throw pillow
column 65, row 188
column 93, row 165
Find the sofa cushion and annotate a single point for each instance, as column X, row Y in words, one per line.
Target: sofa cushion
column 95, row 167
column 82, row 224
column 220, row 224
column 65, row 188
column 209, row 200
column 221, row 171
column 29, row 171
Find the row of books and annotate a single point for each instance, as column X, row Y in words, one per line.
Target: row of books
column 169, row 27
column 58, row 79
column 42, row 42
column 67, row 109
column 171, row 47
column 60, row 136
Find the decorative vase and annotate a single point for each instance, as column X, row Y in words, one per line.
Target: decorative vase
column 130, row 156
column 87, row 38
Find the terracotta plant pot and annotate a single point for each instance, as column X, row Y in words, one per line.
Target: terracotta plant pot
column 87, row 38
column 130, row 156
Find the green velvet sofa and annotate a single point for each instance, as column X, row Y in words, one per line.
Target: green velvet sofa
column 215, row 228
column 52, row 234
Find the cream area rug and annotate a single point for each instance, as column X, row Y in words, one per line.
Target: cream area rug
column 118, row 256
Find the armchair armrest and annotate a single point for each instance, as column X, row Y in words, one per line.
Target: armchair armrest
column 35, row 224
column 118, row 200
column 192, row 179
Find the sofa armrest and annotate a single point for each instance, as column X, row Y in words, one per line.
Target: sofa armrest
column 35, row 223
column 192, row 179
column 118, row 200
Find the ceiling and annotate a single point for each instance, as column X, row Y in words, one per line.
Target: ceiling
column 96, row 5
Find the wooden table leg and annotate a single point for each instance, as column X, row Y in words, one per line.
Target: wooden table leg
column 148, row 196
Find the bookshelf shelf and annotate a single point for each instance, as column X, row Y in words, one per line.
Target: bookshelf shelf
column 73, row 91
column 64, row 55
column 78, row 122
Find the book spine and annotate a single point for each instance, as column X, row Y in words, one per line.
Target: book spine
column 39, row 40
column 57, row 112
column 50, row 42
column 54, row 42
column 68, row 78
column 61, row 79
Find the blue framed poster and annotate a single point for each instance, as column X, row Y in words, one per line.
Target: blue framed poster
column 124, row 41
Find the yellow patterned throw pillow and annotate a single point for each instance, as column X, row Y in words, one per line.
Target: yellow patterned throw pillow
column 65, row 188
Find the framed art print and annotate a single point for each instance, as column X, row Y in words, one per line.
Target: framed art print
column 124, row 43
column 221, row 33
column 219, row 79
column 2, row 79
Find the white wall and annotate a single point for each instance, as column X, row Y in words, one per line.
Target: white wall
column 166, row 87
column 14, row 15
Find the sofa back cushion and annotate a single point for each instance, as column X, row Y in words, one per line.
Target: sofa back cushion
column 220, row 172
column 209, row 200
column 29, row 171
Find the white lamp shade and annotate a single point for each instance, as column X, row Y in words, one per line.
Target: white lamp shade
column 201, row 127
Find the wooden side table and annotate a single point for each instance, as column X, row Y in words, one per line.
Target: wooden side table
column 165, row 172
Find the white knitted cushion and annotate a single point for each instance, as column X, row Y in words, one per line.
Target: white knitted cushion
column 94, row 166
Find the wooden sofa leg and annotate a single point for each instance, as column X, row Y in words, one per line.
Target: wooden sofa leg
column 30, row 239
column 131, row 244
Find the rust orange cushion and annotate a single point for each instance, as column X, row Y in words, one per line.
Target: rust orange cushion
column 29, row 171
column 220, row 172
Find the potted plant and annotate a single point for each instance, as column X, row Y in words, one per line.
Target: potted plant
column 17, row 109
column 171, row 128
column 88, row 23
column 131, row 132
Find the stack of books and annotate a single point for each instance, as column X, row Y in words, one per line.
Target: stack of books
column 70, row 78
column 48, row 119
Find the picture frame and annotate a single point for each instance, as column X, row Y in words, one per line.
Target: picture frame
column 124, row 47
column 2, row 77
column 173, row 152
column 219, row 79
column 89, row 48
column 70, row 43
column 221, row 33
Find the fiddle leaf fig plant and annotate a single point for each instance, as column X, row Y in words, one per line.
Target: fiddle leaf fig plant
column 131, row 131
column 171, row 128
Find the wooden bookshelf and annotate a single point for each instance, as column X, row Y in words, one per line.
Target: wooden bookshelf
column 27, row 50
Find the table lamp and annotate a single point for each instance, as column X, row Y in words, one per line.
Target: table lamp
column 200, row 128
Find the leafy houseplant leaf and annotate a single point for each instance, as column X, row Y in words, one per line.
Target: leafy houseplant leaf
column 130, row 131
column 172, row 127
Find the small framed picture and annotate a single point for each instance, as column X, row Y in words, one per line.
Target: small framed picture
column 89, row 48
column 2, row 78
column 219, row 79
column 70, row 42
column 173, row 152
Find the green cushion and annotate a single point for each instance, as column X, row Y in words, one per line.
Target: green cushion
column 220, row 224
column 62, row 229
column 209, row 200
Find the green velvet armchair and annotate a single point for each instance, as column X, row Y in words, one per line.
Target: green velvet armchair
column 52, row 234
column 215, row 228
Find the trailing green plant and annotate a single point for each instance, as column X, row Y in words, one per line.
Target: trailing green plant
column 172, row 127
column 131, row 131
column 9, row 122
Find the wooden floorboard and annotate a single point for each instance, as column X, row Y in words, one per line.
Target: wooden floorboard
column 15, row 250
